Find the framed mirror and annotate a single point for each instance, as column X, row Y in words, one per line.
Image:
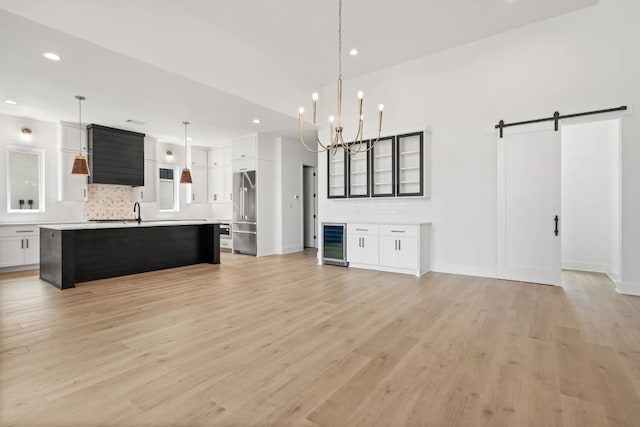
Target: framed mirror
column 168, row 189
column 25, row 180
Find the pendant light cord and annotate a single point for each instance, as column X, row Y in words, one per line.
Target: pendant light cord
column 80, row 126
column 339, row 39
column 185, row 144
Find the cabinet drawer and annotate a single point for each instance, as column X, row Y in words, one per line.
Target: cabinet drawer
column 244, row 165
column 399, row 230
column 19, row 231
column 363, row 229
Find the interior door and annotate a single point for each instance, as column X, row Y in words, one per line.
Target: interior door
column 309, row 207
column 529, row 204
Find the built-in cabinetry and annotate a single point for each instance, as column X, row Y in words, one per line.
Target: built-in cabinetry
column 394, row 167
column 72, row 141
column 383, row 182
column 220, row 175
column 337, row 174
column 399, row 248
column 198, row 176
column 148, row 192
column 362, row 244
column 19, row 245
column 244, row 148
column 358, row 161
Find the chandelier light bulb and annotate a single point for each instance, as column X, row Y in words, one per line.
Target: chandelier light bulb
column 331, row 119
column 301, row 110
column 381, row 107
column 314, row 96
column 360, row 94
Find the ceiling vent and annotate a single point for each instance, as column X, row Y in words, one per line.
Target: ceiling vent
column 135, row 122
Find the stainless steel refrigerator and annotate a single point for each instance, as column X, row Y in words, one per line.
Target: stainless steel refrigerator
column 244, row 230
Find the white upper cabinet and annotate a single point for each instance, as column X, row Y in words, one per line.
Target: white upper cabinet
column 147, row 193
column 70, row 136
column 199, row 186
column 150, row 148
column 244, row 148
column 199, row 157
column 220, row 156
column 72, row 188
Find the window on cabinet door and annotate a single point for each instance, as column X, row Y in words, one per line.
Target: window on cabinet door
column 336, row 174
column 410, row 164
column 382, row 168
column 358, row 170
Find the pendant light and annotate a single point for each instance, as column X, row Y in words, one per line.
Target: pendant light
column 185, row 178
column 80, row 166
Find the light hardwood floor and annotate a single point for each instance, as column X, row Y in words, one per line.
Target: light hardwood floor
column 282, row 341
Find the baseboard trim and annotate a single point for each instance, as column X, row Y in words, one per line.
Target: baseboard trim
column 585, row 266
column 627, row 288
column 466, row 270
column 292, row 249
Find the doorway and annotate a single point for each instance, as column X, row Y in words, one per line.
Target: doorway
column 309, row 207
column 590, row 200
column 558, row 200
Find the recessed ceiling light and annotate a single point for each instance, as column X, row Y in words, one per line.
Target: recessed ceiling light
column 256, row 121
column 10, row 101
column 51, row 56
column 353, row 52
column 189, row 138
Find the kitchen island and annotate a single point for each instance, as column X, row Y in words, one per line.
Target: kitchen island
column 73, row 253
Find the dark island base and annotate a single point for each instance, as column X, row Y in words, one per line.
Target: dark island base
column 72, row 256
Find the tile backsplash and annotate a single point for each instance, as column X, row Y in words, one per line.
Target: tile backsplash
column 106, row 201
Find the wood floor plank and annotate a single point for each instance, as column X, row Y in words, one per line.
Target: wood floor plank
column 283, row 341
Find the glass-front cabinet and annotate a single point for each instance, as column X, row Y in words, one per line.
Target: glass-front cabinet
column 336, row 174
column 382, row 168
column 359, row 169
column 410, row 164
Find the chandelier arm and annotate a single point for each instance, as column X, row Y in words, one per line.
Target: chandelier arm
column 324, row 148
column 308, row 148
column 358, row 138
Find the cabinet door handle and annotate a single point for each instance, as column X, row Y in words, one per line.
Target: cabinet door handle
column 84, row 193
column 24, row 231
column 556, row 221
column 142, row 195
column 193, row 197
column 21, row 243
column 395, row 245
column 399, row 245
column 363, row 242
column 397, row 231
column 27, row 243
column 362, row 229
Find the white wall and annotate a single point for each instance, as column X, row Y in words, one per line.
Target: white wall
column 590, row 197
column 576, row 62
column 293, row 156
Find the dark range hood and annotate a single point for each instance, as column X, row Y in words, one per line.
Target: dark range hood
column 116, row 156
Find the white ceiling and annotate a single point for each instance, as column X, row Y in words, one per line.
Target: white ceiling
column 221, row 63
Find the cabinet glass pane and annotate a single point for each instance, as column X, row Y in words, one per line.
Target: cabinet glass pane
column 359, row 170
column 410, row 164
column 337, row 177
column 382, row 160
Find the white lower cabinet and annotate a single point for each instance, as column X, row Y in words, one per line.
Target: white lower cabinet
column 19, row 246
column 393, row 248
column 362, row 244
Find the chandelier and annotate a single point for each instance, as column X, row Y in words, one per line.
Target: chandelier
column 336, row 137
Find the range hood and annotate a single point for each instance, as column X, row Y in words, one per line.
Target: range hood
column 116, row 156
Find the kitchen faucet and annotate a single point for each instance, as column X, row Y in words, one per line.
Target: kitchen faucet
column 139, row 217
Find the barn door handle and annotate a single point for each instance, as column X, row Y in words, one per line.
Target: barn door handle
column 556, row 221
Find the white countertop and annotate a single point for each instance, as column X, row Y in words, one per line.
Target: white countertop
column 130, row 224
column 377, row 222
